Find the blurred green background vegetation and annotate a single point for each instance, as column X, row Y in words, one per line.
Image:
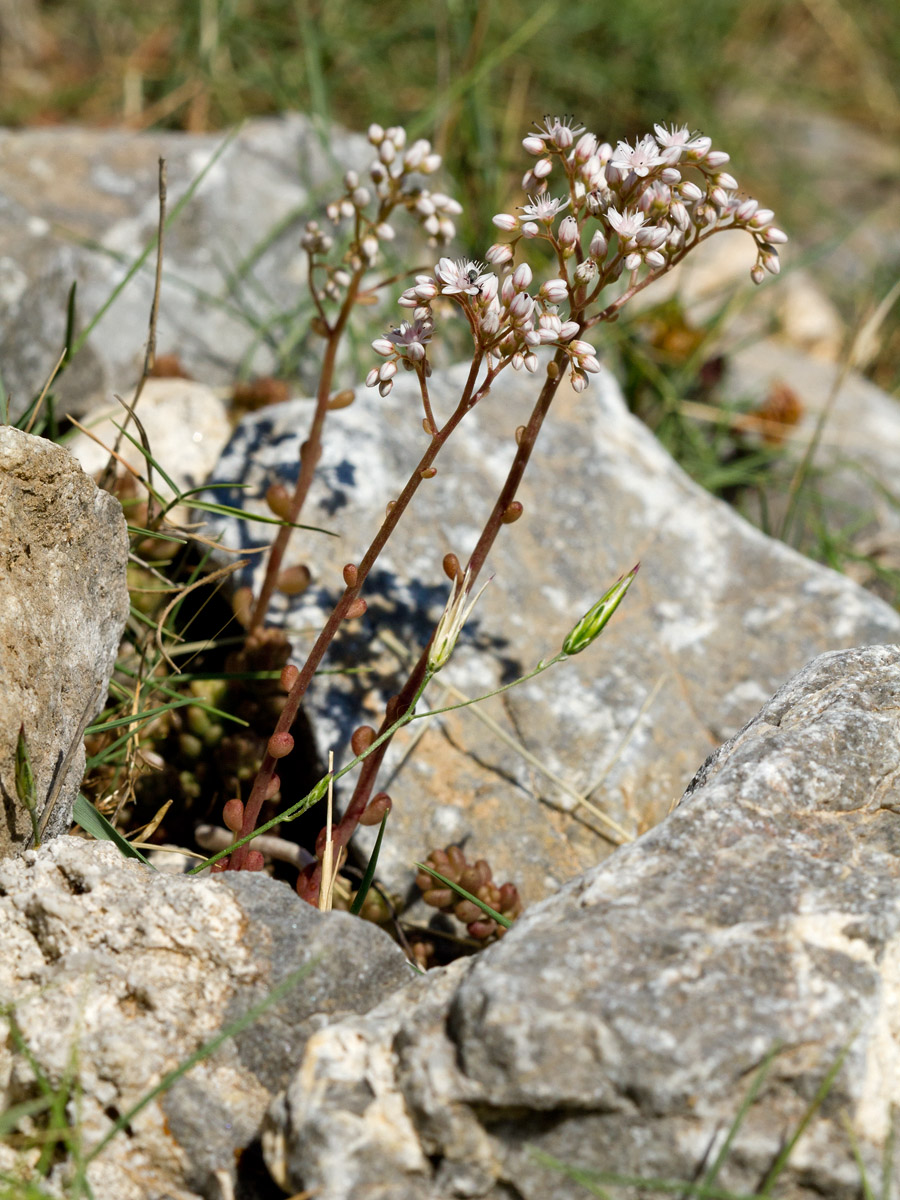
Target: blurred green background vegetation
column 792, row 88
column 802, row 93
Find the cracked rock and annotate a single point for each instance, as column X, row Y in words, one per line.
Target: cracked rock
column 620, row 1023
column 120, row 973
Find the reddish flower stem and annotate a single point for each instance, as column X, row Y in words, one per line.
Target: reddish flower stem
column 288, row 715
column 310, row 453
column 397, row 705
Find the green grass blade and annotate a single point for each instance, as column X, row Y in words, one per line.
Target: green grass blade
column 360, row 898
column 712, row 1174
column 594, row 1181
column 98, row 827
column 228, row 511
column 787, row 1150
column 485, row 908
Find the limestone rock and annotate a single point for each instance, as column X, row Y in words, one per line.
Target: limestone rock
column 63, row 603
column 854, row 472
column 81, row 205
column 130, row 971
column 620, row 1023
column 187, row 427
column 719, row 617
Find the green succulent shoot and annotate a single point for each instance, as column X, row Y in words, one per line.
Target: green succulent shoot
column 592, row 623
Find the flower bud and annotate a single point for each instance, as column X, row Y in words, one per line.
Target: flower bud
column 568, row 231
column 554, row 291
column 717, row 158
column 591, row 624
column 505, row 221
column 499, row 253
column 522, row 277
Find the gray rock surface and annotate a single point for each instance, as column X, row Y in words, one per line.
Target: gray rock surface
column 81, row 205
column 186, row 425
column 131, row 971
column 63, row 605
column 851, row 498
column 620, row 1023
column 718, row 618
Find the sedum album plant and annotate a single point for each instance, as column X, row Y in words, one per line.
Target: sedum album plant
column 610, row 221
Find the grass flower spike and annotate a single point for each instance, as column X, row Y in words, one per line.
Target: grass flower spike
column 594, row 620
column 454, row 616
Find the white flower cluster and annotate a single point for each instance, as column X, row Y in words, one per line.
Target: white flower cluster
column 639, row 197
column 394, row 182
column 631, row 209
column 507, row 321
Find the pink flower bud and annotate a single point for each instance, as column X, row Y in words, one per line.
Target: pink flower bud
column 568, row 231
column 554, row 291
column 522, row 277
column 542, row 168
column 533, row 145
column 375, row 135
column 774, row 235
column 598, row 247
column 521, row 306
column 585, row 147
column 506, row 221
column 383, row 346
column 717, row 158
column 499, row 253
column 745, row 210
